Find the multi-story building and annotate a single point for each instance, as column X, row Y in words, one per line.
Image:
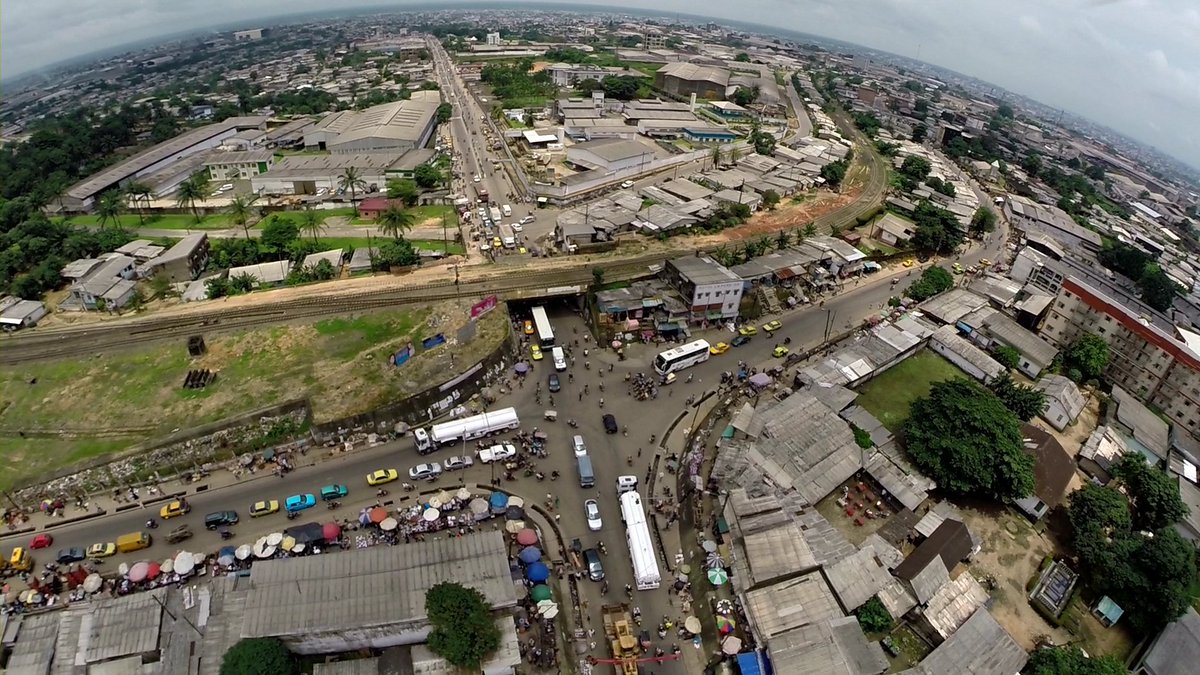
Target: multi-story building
column 712, row 292
column 1144, row 358
column 493, row 39
column 654, row 40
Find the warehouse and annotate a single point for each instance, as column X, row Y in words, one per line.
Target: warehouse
column 685, row 79
column 402, row 125
column 610, row 154
column 307, row 174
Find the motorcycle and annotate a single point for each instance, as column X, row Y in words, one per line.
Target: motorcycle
column 333, row 504
column 151, row 524
column 381, row 493
column 292, row 515
column 573, row 424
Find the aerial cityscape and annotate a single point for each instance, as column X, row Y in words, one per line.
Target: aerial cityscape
column 348, row 341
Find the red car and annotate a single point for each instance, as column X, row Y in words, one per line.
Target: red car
column 41, row 541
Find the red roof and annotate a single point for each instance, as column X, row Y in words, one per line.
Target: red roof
column 1155, row 337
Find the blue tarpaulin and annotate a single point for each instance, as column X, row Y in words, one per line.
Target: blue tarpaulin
column 751, row 663
column 401, row 357
column 431, row 342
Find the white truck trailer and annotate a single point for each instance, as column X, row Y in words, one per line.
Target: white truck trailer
column 466, row 428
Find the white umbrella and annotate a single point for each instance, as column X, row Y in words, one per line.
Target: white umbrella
column 123, row 569
column 259, row 547
column 731, row 645
column 444, row 497
column 389, row 524
column 516, row 501
column 691, row 625
column 92, row 583
column 198, row 559
column 299, row 547
column 478, row 505
column 266, row 552
column 184, row 563
column 274, row 539
column 431, row 514
column 463, row 494
column 435, row 502
column 709, row 545
column 244, row 551
column 167, row 566
column 545, row 604
column 514, row 526
column 550, row 613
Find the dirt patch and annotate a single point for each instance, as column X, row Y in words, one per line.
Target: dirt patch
column 848, row 514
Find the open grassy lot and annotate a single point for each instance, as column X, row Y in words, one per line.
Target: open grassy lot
column 888, row 396
column 342, row 365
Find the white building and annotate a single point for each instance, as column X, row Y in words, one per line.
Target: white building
column 711, row 291
column 611, row 155
column 240, row 165
column 493, row 39
column 401, row 125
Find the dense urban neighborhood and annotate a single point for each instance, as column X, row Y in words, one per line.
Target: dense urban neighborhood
column 427, row 283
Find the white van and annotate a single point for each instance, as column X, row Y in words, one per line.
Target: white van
column 626, row 484
column 506, row 210
column 560, row 359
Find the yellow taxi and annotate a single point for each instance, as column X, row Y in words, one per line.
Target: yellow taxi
column 173, row 509
column 719, row 348
column 908, row 263
column 985, row 262
column 529, row 328
column 496, row 243
column 20, row 561
column 780, row 351
column 958, row 269
column 382, row 476
column 772, row 326
column 264, row 508
column 748, row 331
column 535, row 352
column 101, row 550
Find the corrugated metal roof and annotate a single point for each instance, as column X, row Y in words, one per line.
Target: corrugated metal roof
column 980, row 647
column 791, row 604
column 856, row 578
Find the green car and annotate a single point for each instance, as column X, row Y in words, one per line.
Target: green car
column 331, row 492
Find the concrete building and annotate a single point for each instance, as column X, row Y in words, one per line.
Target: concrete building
column 108, row 285
column 238, row 165
column 1027, row 215
column 1064, row 403
column 397, row 126
column 493, row 39
column 610, row 155
column 685, row 79
column 307, row 174
column 1053, row 470
column 570, row 74
column 893, row 230
column 713, row 292
column 251, row 34
column 1175, row 651
column 1144, row 358
column 16, row 313
column 182, row 262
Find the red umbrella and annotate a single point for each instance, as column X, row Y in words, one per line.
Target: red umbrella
column 378, row 515
column 527, row 537
column 331, row 531
column 154, row 570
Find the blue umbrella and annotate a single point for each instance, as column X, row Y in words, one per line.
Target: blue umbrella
column 537, row 572
column 530, row 555
column 498, row 500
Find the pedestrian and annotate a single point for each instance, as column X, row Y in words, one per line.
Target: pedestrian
column 557, row 517
column 639, row 453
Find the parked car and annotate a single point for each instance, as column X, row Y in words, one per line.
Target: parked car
column 780, row 351
column 382, row 476
column 529, row 328
column 218, row 518
column 740, row 340
column 42, row 540
column 66, row 556
column 526, row 220
column 457, row 463
column 625, row 185
column 595, row 568
column 300, row 502
column 610, row 423
column 554, row 383
column 172, row 509
column 102, row 549
column 332, row 492
column 591, row 509
column 264, row 508
column 425, row 471
column 497, row 453
column 535, row 352
column 772, row 326
column 747, row 330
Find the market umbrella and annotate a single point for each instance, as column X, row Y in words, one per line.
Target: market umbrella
column 498, row 501
column 616, row 344
column 691, row 625
column 266, row 552
column 123, row 569
column 389, row 524
column 550, row 612
column 709, row 546
column 685, row 569
column 435, row 502
column 378, row 514
column 431, row 515
column 184, row 563
column 530, row 554
column 521, row 367
column 331, row 531
column 463, row 494
column 274, row 539
column 527, row 537
column 299, row 547
column 226, row 560
column 760, row 380
column 242, row 552
column 478, row 506
column 514, row 513
column 540, row 592
column 259, row 547
column 288, row 543
column 167, row 566
column 537, row 572
column 514, row 526
column 198, row 559
column 516, row 501
column 154, row 570
column 92, row 583
column 731, row 645
column 138, row 571
column 725, row 625
column 714, row 560
column 444, row 497
column 718, row 576
column 364, row 517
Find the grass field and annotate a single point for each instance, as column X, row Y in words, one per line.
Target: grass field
column 342, row 366
column 888, row 396
column 328, row 243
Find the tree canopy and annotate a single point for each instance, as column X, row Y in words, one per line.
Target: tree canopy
column 916, row 167
column 933, row 280
column 404, row 189
column 835, row 172
column 1024, row 401
column 258, row 656
column 1156, row 500
column 463, row 630
column 1007, row 356
column 937, row 230
column 1070, row 660
column 964, row 437
column 1157, row 289
column 983, row 221
column 1088, row 354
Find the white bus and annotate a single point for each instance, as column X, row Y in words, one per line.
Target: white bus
column 641, row 546
column 542, row 324
column 681, row 357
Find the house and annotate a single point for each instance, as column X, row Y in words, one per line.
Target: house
column 1175, row 651
column 1064, row 402
column 334, row 257
column 991, row 330
column 729, row 110
column 893, row 230
column 16, row 313
column 182, row 262
column 264, row 274
column 141, row 250
column 750, row 199
column 1189, row 492
column 980, row 646
column 962, row 353
column 709, row 288
column 951, row 542
column 108, row 286
column 238, row 165
column 363, row 259
column 1053, row 470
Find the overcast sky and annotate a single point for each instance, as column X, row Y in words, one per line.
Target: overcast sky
column 1133, row 65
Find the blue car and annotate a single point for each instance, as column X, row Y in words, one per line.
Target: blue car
column 300, row 502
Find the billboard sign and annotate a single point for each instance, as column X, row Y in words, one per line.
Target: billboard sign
column 483, row 307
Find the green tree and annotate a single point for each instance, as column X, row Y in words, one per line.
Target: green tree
column 770, row 198
column 1088, row 354
column 242, row 283
column 312, row 223
column 810, row 230
column 140, row 194
column 428, row 176
column 916, row 168
column 1032, row 163
column 444, row 112
column 241, row 210
column 109, row 207
column 783, row 239
column 933, row 280
column 395, row 221
column 1155, row 495
column 1158, row 290
column 258, row 656
column 744, row 96
column 715, row 155
column 983, row 221
column 919, row 133
column 464, row 632
column 598, row 277
column 834, row 173
column 1070, row 660
column 278, row 232
column 404, row 189
column 937, row 230
column 397, row 253
column 1007, row 356
column 967, row 441
column 742, row 57
column 195, row 187
column 763, row 142
column 1024, row 401
column 874, row 617
column 352, row 181
column 216, row 287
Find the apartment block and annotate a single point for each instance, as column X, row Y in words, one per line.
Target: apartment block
column 711, row 291
column 1144, row 359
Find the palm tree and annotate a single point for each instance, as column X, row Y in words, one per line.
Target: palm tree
column 395, row 221
column 716, row 155
column 352, row 181
column 783, row 239
column 109, row 207
column 734, row 155
column 195, row 187
column 240, row 209
column 312, row 223
column 140, row 193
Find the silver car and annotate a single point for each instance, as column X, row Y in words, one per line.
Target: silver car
column 425, row 471
column 457, row 463
column 591, row 508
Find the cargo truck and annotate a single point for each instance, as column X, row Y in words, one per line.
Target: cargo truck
column 494, row 212
column 467, row 428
